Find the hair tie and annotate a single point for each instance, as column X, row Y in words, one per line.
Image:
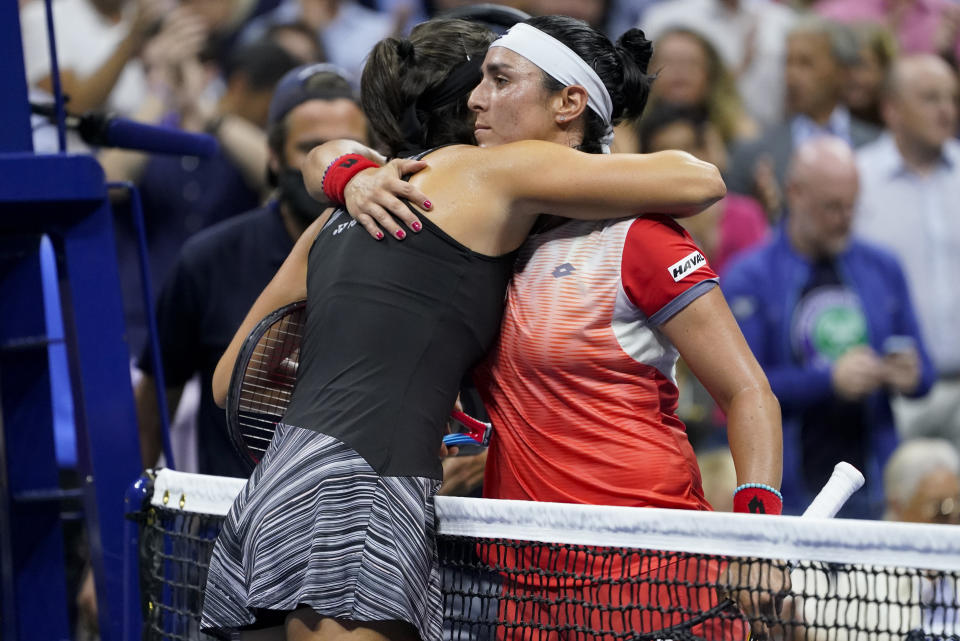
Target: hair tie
column 405, row 49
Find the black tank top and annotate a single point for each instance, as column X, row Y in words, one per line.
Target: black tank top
column 391, row 328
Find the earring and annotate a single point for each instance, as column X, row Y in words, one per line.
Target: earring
column 562, row 118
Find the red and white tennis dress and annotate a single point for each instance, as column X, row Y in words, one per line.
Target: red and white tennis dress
column 581, row 385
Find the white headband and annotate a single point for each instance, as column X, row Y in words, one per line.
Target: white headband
column 564, row 65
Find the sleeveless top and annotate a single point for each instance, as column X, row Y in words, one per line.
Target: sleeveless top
column 391, row 327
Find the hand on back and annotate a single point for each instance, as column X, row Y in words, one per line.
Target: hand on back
column 377, row 198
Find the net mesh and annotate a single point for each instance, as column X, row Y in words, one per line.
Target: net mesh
column 175, row 549
column 544, row 572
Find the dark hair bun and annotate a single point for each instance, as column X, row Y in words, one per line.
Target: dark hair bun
column 405, row 49
column 634, row 51
column 634, row 44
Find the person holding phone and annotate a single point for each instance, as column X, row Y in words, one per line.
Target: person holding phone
column 830, row 319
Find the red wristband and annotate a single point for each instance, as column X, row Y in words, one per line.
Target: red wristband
column 757, row 500
column 339, row 173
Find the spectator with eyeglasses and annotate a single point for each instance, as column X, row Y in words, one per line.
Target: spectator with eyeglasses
column 922, row 482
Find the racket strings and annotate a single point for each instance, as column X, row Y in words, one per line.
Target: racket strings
column 268, row 381
column 263, row 382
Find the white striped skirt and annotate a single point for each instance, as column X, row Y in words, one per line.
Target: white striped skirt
column 316, row 526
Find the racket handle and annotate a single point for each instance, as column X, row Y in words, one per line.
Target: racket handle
column 477, row 434
column 470, row 422
column 845, row 480
column 459, row 440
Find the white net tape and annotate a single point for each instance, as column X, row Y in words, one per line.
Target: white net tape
column 929, row 547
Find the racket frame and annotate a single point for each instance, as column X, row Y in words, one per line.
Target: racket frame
column 237, row 377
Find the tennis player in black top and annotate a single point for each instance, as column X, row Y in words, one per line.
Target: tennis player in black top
column 333, row 535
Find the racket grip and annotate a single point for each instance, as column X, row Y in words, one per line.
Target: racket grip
column 477, row 434
column 457, row 440
column 470, row 422
column 845, row 480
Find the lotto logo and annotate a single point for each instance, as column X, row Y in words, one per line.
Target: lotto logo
column 343, row 226
column 563, row 270
column 686, row 266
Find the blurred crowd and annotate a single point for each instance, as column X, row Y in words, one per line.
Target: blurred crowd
column 834, row 123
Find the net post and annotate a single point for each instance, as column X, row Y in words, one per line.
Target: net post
column 137, row 498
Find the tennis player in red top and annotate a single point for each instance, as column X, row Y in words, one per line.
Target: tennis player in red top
column 581, row 385
column 600, row 299
column 582, row 393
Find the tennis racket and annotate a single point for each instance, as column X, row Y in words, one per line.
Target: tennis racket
column 262, row 383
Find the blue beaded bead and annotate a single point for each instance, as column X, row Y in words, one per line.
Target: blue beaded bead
column 760, row 486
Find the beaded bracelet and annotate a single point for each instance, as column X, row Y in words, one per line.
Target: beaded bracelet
column 759, row 486
column 757, row 498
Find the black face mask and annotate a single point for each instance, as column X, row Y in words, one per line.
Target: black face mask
column 293, row 194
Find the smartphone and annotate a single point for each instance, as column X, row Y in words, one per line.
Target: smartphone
column 899, row 344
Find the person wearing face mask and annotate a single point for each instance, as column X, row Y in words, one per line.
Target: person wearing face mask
column 221, row 270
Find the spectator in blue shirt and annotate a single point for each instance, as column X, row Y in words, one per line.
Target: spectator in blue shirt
column 830, row 320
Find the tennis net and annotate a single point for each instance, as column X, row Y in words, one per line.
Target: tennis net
column 521, row 571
